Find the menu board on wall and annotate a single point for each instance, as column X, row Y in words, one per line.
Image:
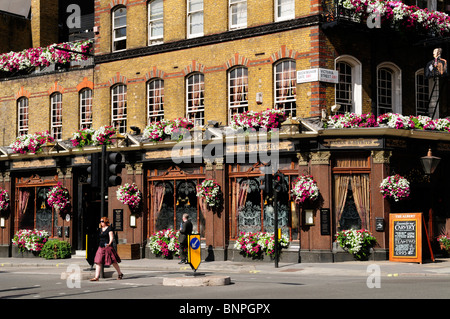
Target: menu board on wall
column 405, row 231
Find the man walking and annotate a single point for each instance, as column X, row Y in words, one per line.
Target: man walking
column 185, row 230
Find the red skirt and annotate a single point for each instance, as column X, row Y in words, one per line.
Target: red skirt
column 106, row 256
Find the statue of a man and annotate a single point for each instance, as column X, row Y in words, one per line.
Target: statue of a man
column 436, row 67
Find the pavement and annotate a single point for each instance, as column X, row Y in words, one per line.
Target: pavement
column 440, row 267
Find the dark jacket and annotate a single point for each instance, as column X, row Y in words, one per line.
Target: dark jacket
column 186, row 229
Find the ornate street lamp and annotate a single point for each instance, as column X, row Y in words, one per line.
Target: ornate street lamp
column 429, row 163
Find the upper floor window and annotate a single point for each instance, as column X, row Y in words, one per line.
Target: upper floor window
column 389, row 89
column 86, row 108
column 119, row 108
column 155, row 95
column 119, row 29
column 237, row 91
column 155, row 22
column 344, row 89
column 238, row 13
column 56, row 116
column 286, row 87
column 195, row 90
column 195, row 18
column 284, row 10
column 22, row 114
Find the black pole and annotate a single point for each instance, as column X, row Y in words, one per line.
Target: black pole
column 275, row 224
column 103, row 181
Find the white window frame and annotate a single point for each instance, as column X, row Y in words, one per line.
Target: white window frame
column 155, row 19
column 280, row 84
column 117, row 27
column 85, row 108
column 235, row 7
column 237, row 100
column 155, row 90
column 356, row 81
column 55, row 118
column 22, row 115
column 278, row 7
column 190, row 14
column 396, row 87
column 195, row 95
column 119, row 112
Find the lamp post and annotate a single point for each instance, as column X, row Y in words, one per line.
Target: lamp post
column 429, row 163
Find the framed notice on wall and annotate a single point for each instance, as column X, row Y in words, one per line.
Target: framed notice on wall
column 405, row 237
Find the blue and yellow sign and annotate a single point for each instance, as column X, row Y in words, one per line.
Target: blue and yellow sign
column 194, row 251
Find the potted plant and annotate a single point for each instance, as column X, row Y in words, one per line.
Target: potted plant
column 104, row 135
column 305, row 188
column 395, row 187
column 4, row 200
column 58, row 197
column 356, row 242
column 444, row 242
column 210, row 190
column 164, row 243
column 129, row 194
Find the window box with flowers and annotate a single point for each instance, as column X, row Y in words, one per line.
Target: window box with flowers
column 250, row 121
column 305, row 189
column 357, row 242
column 31, row 143
column 30, row 242
column 4, row 200
column 259, row 244
column 175, row 130
column 129, row 194
column 58, row 197
column 104, row 135
column 209, row 190
column 164, row 243
column 82, row 138
column 395, row 187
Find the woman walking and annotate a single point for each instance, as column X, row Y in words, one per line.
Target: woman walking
column 106, row 254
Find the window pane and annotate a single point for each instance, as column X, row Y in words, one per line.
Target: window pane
column 286, row 87
column 196, row 23
column 155, row 100
column 195, row 5
column 119, row 108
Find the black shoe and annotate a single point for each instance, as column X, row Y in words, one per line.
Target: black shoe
column 182, row 262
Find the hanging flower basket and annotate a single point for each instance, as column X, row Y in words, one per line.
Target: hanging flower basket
column 58, row 197
column 4, row 200
column 165, row 243
column 31, row 143
column 395, row 187
column 210, row 190
column 305, row 188
column 129, row 194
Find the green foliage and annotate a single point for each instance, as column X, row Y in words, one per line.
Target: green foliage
column 56, row 249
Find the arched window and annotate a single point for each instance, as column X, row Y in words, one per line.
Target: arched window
column 286, row 87
column 422, row 93
column 237, row 91
column 155, row 21
column 86, row 108
column 119, row 29
column 119, row 108
column 389, row 97
column 56, row 116
column 155, row 100
column 22, row 116
column 195, row 91
column 348, row 91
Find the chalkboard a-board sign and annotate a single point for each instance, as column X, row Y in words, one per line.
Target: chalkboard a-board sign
column 405, row 231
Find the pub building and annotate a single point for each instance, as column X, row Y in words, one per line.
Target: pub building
column 310, row 59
